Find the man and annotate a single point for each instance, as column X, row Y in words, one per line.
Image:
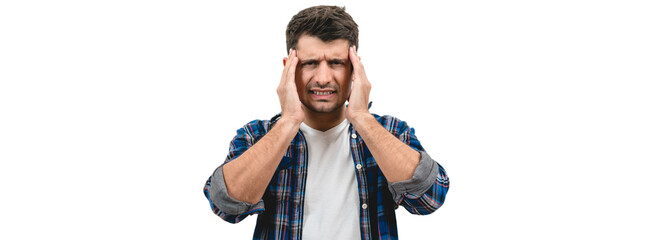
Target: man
column 321, row 169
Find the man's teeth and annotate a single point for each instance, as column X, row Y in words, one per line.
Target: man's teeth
column 322, row 93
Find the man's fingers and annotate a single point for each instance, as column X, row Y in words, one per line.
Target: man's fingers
column 287, row 65
column 290, row 64
column 359, row 72
column 291, row 74
column 356, row 61
column 353, row 57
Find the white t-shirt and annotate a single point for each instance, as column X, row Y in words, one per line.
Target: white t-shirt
column 331, row 195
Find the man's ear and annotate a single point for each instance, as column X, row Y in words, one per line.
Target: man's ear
column 284, row 61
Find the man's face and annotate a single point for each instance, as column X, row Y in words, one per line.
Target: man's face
column 323, row 74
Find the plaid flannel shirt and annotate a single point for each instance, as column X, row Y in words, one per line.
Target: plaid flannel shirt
column 281, row 207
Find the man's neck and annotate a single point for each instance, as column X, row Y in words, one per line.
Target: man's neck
column 324, row 121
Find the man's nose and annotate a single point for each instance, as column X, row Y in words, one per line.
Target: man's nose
column 323, row 73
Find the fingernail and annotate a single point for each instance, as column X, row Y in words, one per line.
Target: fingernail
column 290, row 51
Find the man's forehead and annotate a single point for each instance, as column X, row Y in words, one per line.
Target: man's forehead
column 313, row 48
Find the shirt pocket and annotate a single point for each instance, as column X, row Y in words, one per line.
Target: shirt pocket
column 280, row 185
column 370, row 162
column 372, row 171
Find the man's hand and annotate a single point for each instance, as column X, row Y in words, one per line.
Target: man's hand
column 247, row 177
column 287, row 91
column 360, row 92
column 395, row 159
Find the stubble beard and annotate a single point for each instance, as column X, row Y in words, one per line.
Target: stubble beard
column 324, row 109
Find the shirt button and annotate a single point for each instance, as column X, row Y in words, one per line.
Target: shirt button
column 354, row 135
column 364, row 206
column 358, row 166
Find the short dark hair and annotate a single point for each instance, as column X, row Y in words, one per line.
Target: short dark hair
column 327, row 23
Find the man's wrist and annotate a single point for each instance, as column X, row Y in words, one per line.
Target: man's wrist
column 360, row 118
column 289, row 121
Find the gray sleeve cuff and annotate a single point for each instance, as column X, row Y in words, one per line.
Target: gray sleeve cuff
column 423, row 178
column 219, row 196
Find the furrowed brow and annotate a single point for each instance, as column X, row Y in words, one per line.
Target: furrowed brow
column 338, row 60
column 309, row 60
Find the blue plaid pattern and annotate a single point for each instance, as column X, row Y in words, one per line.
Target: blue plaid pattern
column 281, row 214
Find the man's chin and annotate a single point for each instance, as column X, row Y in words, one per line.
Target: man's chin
column 323, row 107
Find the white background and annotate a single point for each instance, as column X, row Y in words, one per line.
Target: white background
column 114, row 113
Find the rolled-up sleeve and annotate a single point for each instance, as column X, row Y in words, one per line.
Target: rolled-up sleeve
column 425, row 192
column 222, row 204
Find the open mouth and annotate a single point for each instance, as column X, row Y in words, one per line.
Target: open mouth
column 322, row 93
